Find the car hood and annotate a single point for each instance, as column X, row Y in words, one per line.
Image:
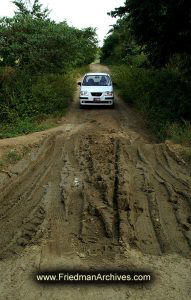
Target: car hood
column 98, row 89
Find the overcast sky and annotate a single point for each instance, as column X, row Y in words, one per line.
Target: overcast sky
column 79, row 13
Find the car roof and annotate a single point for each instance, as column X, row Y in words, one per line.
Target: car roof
column 96, row 74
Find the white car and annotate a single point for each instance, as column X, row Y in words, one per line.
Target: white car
column 96, row 89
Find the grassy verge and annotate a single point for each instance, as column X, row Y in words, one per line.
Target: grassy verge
column 180, row 133
column 26, row 126
column 12, row 156
column 38, row 105
column 162, row 96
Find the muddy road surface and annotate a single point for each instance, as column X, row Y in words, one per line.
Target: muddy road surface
column 97, row 192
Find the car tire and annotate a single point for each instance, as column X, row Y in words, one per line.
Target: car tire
column 81, row 106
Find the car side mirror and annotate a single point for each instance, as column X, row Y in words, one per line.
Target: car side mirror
column 79, row 83
column 114, row 83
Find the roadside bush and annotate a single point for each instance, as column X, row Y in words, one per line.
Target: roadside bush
column 163, row 96
column 39, row 62
column 53, row 92
column 180, row 134
column 28, row 98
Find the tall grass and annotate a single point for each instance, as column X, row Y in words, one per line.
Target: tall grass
column 163, row 97
column 25, row 101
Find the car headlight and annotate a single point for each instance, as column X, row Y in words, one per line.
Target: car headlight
column 109, row 93
column 84, row 93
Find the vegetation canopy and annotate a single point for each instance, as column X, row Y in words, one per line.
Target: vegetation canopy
column 162, row 28
column 150, row 52
column 38, row 54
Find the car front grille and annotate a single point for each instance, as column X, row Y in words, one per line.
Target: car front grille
column 96, row 102
column 96, row 94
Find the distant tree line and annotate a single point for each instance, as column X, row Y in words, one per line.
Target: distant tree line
column 149, row 49
column 31, row 40
column 161, row 29
column 37, row 59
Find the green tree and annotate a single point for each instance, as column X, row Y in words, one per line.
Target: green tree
column 33, row 42
column 34, row 9
column 162, row 28
column 37, row 61
column 119, row 46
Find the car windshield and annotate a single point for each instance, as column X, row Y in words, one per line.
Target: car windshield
column 96, row 80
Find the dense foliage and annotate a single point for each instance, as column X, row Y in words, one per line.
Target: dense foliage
column 120, row 47
column 163, row 96
column 150, row 43
column 37, row 59
column 162, row 27
column 41, row 46
column 32, row 41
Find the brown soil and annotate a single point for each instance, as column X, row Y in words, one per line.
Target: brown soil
column 96, row 192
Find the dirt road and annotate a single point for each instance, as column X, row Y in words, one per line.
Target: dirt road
column 97, row 191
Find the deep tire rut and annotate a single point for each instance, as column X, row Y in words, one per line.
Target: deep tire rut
column 95, row 189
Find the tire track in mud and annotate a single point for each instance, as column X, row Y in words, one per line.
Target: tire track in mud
column 92, row 191
column 164, row 215
column 23, row 208
column 116, row 221
column 140, row 212
column 105, row 192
